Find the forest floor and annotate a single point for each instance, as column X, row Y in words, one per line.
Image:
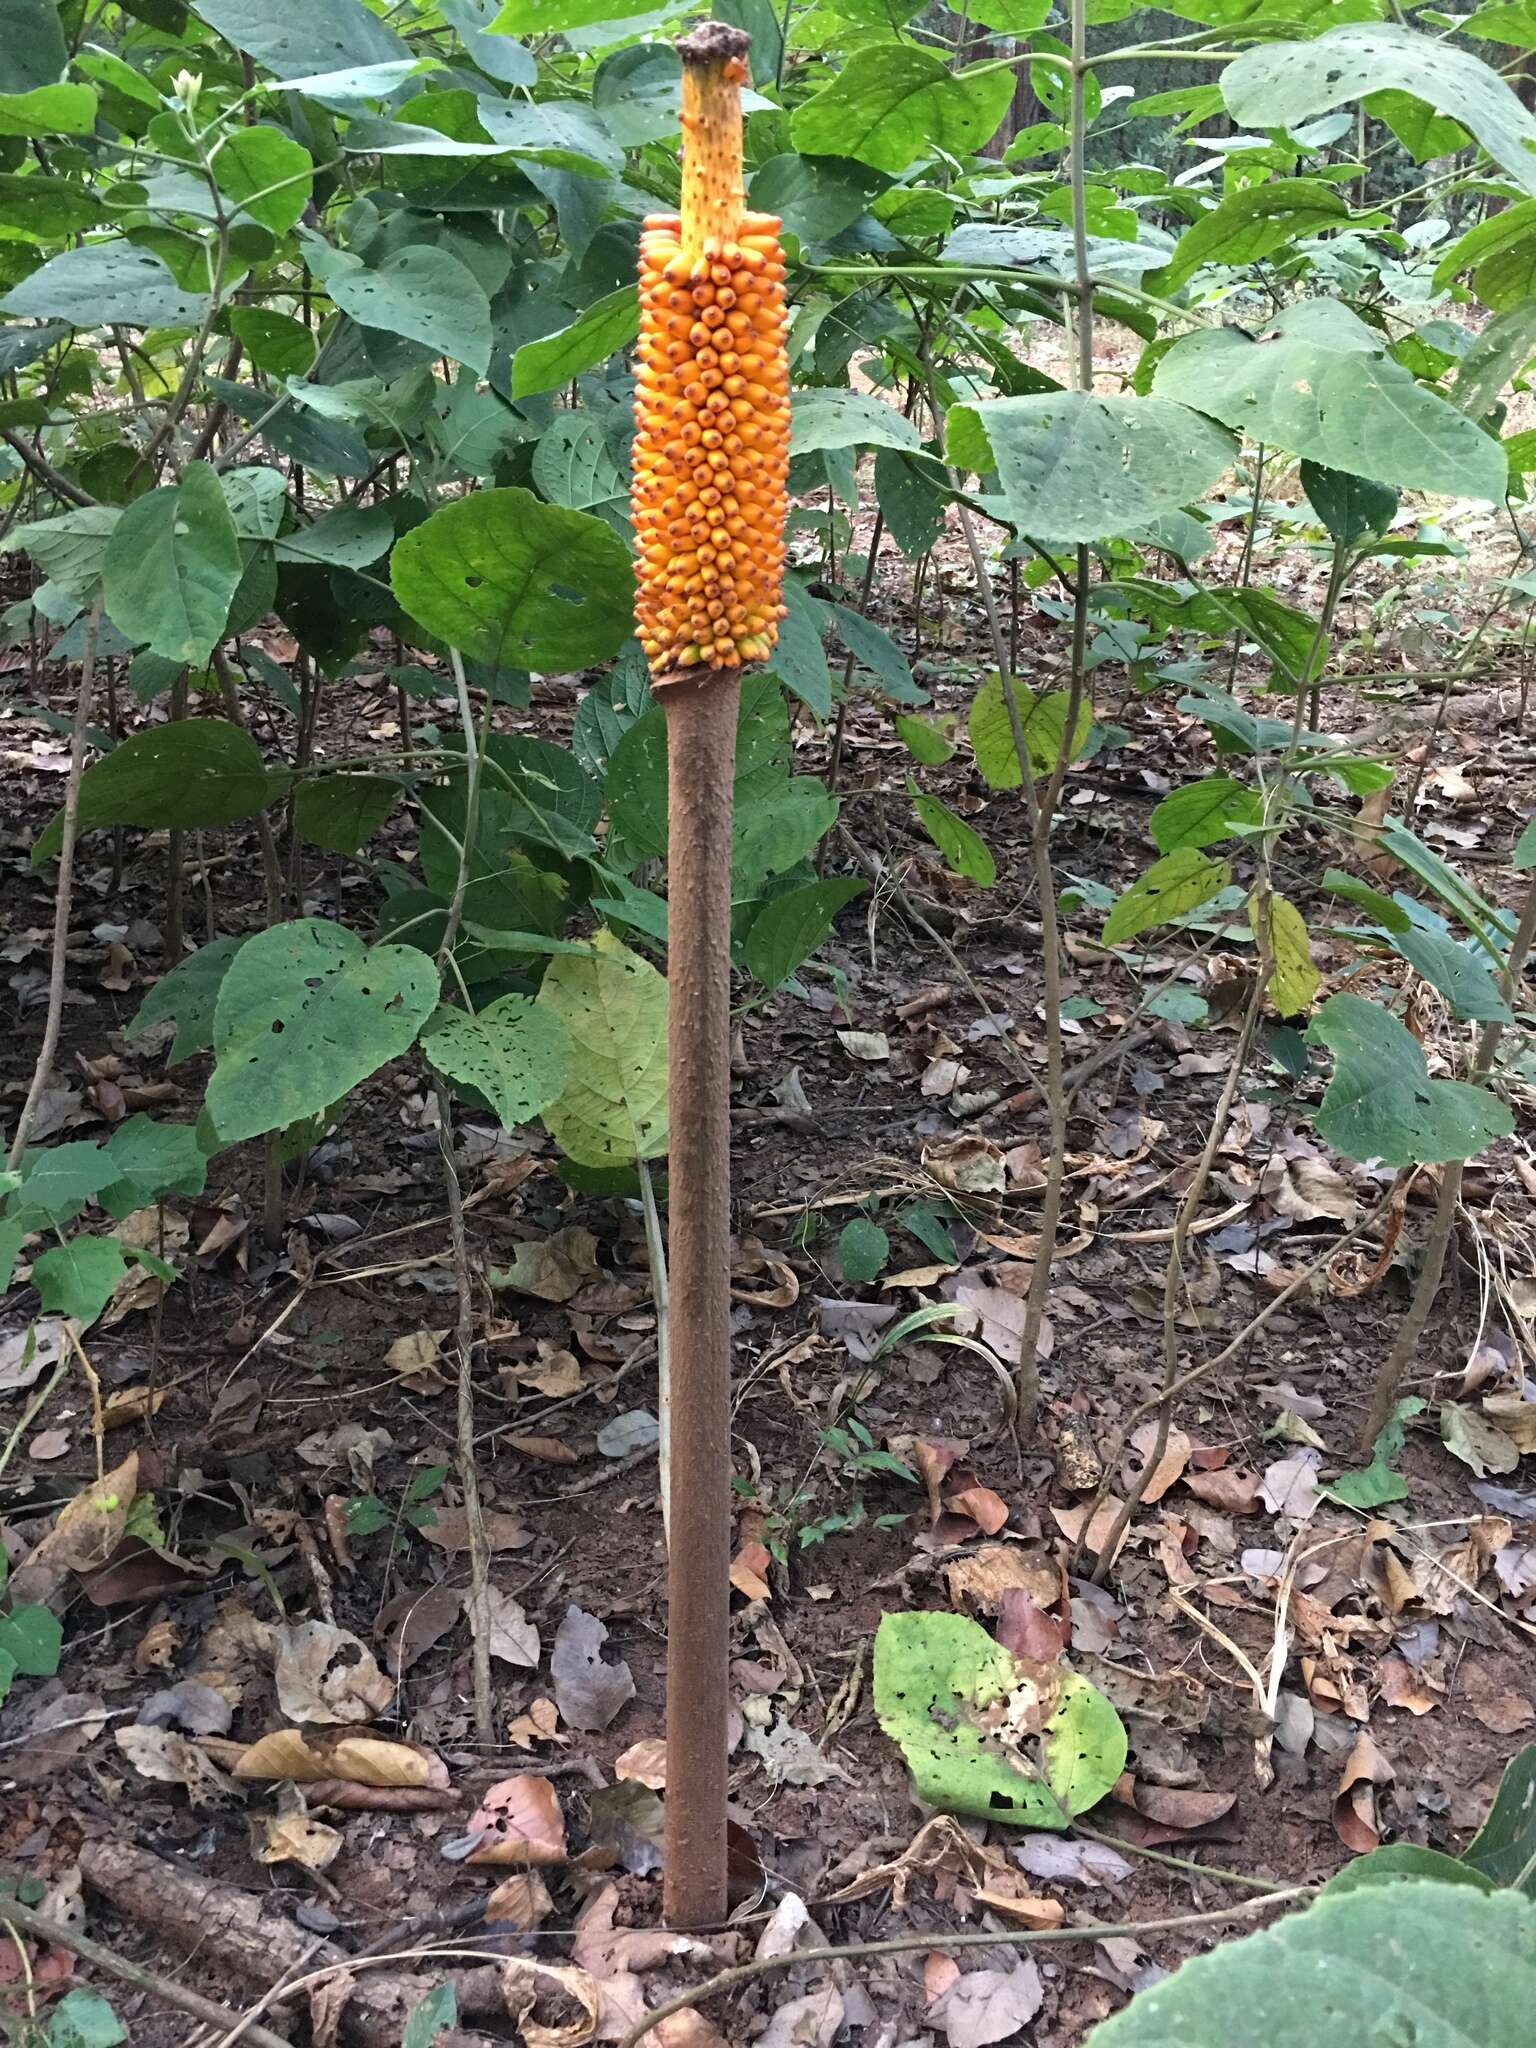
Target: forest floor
column 293, row 1415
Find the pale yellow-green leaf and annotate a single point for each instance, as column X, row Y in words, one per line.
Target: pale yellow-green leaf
column 614, row 1006
column 1293, row 981
column 1172, row 887
column 1044, row 719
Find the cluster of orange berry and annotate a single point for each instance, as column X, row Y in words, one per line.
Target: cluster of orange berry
column 711, row 454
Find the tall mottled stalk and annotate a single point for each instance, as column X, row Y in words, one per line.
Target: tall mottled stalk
column 711, row 459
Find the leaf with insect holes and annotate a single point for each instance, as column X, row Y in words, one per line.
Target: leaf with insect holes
column 1381, row 1102
column 1320, row 383
column 515, row 1052
column 514, row 581
column 305, row 1012
column 589, row 1691
column 192, row 772
column 936, row 1678
column 1172, row 887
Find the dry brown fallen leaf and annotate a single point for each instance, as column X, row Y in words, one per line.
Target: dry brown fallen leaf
column 295, row 1838
column 131, row 1404
column 521, row 1901
column 1070, row 1522
column 1354, row 1803
column 983, row 2006
column 327, row 1675
column 749, row 1571
column 551, row 1268
column 982, row 1580
column 519, row 1820
column 988, row 1510
column 589, row 1691
column 88, row 1530
column 409, row 1625
column 416, row 1358
column 171, row 1759
column 449, row 1531
column 1403, row 1687
column 645, row 1763
column 306, row 1759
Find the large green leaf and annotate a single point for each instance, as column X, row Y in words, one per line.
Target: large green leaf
column 194, row 771
column 497, row 56
column 266, row 173
column 77, row 1279
column 610, row 323
column 1044, row 719
column 305, row 1012
column 961, row 844
column 1278, row 85
column 172, row 567
column 835, row 418
column 1172, row 887
column 1505, row 1844
column 517, row 582
column 790, row 928
column 1077, row 467
column 49, row 110
column 515, row 1052
column 1438, row 1965
column 613, row 1005
column 1497, row 354
column 1382, row 1104
column 1252, row 223
column 943, row 1690
column 1349, row 506
column 148, row 1161
column 105, row 282
column 892, row 102
column 33, row 51
column 1461, row 977
column 342, row 812
column 425, row 294
column 188, row 996
column 294, row 38
column 548, row 17
column 69, row 548
column 1203, row 812
column 1321, row 384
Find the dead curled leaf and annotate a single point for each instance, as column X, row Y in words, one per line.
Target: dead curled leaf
column 88, row 1530
column 989, row 2005
column 1354, row 1803
column 553, row 2005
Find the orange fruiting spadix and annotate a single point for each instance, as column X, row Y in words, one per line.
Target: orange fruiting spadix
column 711, row 452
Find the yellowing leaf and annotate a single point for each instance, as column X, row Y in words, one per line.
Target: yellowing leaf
column 614, row 1006
column 1281, row 932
